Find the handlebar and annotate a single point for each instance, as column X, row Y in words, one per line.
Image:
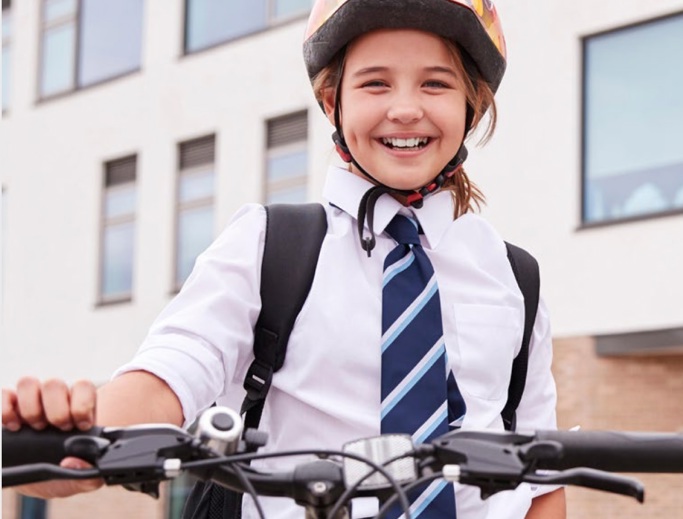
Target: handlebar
column 615, row 451
column 28, row 446
column 140, row 457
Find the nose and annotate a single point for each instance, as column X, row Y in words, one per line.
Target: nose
column 405, row 109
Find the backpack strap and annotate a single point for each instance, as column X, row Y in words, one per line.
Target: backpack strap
column 294, row 236
column 525, row 268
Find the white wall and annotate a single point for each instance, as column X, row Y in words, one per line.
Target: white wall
column 611, row 279
column 618, row 278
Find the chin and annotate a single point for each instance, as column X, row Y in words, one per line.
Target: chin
column 409, row 184
column 402, row 178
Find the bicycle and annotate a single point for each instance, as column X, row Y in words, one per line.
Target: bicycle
column 387, row 466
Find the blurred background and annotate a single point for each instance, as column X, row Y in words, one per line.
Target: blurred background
column 133, row 129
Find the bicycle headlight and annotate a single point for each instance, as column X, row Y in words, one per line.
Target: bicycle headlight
column 389, row 451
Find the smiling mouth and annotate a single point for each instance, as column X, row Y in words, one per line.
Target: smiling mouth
column 410, row 144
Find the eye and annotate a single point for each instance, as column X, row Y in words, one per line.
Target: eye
column 375, row 83
column 435, row 83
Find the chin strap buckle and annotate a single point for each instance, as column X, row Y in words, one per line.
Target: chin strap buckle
column 415, row 200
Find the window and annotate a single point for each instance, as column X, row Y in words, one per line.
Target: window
column 209, row 22
column 287, row 159
column 633, row 122
column 178, row 490
column 118, row 230
column 85, row 42
column 194, row 225
column 6, row 53
column 32, row 508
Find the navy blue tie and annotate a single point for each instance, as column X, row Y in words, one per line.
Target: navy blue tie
column 419, row 394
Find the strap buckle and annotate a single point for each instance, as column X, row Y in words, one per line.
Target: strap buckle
column 258, row 379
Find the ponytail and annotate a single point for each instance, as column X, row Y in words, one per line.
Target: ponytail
column 467, row 197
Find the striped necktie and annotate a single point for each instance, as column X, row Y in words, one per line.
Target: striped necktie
column 419, row 396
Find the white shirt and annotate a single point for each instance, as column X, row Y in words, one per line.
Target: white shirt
column 328, row 391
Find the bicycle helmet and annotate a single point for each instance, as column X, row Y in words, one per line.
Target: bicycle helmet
column 473, row 25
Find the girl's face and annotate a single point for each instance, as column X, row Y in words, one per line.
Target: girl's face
column 403, row 106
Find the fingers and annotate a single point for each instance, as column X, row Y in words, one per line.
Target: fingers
column 51, row 402
column 56, row 401
column 83, row 398
column 83, row 485
column 10, row 416
column 64, row 488
column 30, row 403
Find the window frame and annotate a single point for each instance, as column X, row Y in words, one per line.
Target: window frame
column 43, row 26
column 271, row 23
column 583, row 180
column 104, row 222
column 283, row 149
column 180, row 206
column 270, row 186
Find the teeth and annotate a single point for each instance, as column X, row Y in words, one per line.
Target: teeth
column 412, row 142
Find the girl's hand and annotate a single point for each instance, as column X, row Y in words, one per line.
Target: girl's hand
column 51, row 402
column 37, row 405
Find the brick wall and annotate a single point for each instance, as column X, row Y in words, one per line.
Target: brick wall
column 626, row 393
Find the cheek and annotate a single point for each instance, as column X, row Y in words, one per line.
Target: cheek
column 452, row 119
column 358, row 124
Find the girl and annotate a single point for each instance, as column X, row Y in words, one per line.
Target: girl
column 403, row 83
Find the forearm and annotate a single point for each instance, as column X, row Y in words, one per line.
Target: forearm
column 548, row 506
column 137, row 397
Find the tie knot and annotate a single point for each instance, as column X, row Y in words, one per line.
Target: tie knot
column 404, row 230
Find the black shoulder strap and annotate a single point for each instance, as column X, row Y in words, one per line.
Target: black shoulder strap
column 525, row 268
column 294, row 236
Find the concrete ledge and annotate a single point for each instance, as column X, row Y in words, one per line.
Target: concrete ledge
column 654, row 342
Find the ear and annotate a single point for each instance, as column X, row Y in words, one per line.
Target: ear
column 328, row 104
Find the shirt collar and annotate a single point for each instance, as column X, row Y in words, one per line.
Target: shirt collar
column 345, row 190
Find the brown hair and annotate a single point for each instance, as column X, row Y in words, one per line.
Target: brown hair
column 480, row 98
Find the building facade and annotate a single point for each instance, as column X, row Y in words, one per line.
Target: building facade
column 133, row 130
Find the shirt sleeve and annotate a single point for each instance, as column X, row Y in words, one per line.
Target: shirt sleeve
column 204, row 336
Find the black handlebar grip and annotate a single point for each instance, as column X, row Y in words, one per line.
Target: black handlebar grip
column 616, row 451
column 28, row 445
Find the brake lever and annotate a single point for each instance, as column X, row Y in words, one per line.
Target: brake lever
column 146, row 448
column 592, row 478
column 487, row 460
column 38, row 472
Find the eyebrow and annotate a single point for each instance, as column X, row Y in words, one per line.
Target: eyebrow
column 369, row 70
column 442, row 70
column 373, row 70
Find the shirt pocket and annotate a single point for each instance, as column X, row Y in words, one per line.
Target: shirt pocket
column 487, row 338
